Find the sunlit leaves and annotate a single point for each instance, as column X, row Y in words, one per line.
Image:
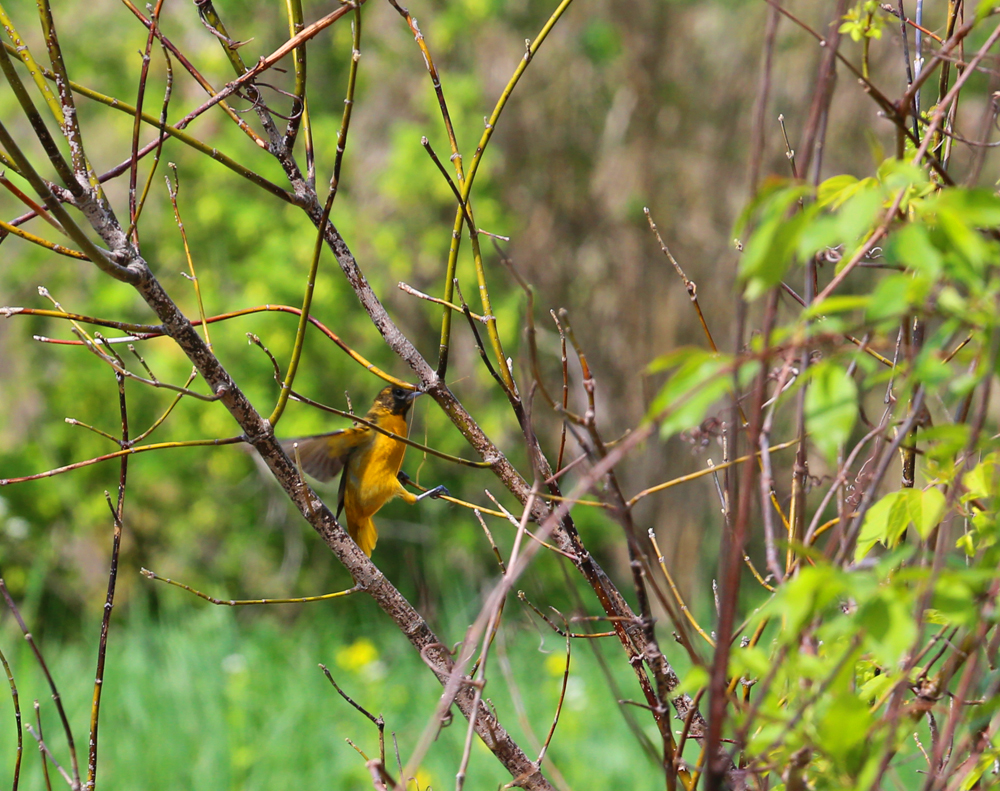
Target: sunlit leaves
column 857, row 207
column 977, row 208
column 942, row 443
column 981, row 481
column 898, row 294
column 863, row 20
column 790, row 222
column 989, row 757
column 946, row 235
column 925, row 509
column 872, row 683
column 901, row 174
column 980, row 496
column 836, row 190
column 887, row 519
column 957, row 595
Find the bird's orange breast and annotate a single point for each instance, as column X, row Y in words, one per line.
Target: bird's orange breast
column 372, row 470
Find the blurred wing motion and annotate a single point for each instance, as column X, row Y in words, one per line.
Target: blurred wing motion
column 324, row 455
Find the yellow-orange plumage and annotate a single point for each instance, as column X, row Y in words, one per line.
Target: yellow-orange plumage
column 371, row 462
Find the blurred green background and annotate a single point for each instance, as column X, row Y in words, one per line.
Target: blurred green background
column 619, row 110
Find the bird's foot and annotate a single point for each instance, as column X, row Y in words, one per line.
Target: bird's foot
column 435, row 493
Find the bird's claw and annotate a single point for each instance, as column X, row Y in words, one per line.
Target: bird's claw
column 435, row 493
column 439, row 491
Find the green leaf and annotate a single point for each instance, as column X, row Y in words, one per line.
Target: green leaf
column 854, row 29
column 887, row 519
column 987, row 759
column 750, row 662
column 836, row 304
column 986, row 530
column 943, row 442
column 694, row 680
column 978, row 208
column 896, row 174
column 800, row 599
column 856, row 208
column 924, row 509
column 967, row 544
column 772, row 191
column 891, row 297
column 931, row 370
column 859, row 213
column 955, row 600
column 765, row 735
column 912, row 246
column 682, row 356
column 768, row 252
column 701, row 378
column 818, row 235
column 884, row 524
column 844, row 724
column 981, row 480
column 964, row 237
column 951, row 301
column 873, row 689
column 889, row 625
column 831, row 407
column 836, row 188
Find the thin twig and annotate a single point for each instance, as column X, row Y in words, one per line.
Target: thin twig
column 56, row 697
column 377, row 721
column 245, row 602
column 17, row 719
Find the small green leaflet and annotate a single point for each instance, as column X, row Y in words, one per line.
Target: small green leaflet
column 699, row 380
column 831, row 407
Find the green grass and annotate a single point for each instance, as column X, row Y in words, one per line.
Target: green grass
column 211, row 699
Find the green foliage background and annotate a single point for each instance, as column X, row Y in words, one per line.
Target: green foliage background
column 618, row 111
column 597, row 128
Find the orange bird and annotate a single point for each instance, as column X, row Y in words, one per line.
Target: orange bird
column 370, row 460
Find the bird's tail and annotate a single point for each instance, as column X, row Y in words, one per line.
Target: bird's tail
column 365, row 535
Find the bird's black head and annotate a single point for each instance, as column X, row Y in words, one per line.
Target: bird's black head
column 395, row 400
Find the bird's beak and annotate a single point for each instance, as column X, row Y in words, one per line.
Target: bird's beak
column 413, row 395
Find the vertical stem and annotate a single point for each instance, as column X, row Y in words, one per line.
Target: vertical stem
column 300, row 113
column 17, row 720
column 118, row 513
column 918, row 58
column 466, row 188
column 730, row 565
column 909, row 71
column 823, row 91
column 449, row 291
column 133, row 172
column 801, row 469
column 300, row 334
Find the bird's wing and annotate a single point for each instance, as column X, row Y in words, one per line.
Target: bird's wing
column 324, row 455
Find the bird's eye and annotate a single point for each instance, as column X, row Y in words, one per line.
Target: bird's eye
column 399, row 392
